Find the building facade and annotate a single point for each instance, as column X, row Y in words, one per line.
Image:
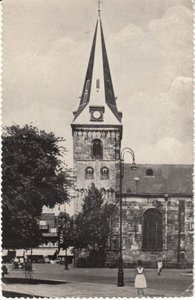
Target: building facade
column 157, row 200
column 49, row 231
column 157, row 210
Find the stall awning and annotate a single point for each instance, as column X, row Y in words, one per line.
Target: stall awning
column 69, row 252
column 50, row 234
column 41, row 252
column 4, row 252
column 20, row 252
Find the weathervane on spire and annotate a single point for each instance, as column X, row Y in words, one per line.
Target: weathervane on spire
column 99, row 7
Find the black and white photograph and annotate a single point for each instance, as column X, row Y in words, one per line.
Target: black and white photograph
column 97, row 149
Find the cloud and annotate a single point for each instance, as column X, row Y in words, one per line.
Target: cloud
column 164, row 124
column 173, row 34
column 149, row 60
column 168, row 150
column 149, row 44
column 180, row 109
column 156, row 83
column 129, row 33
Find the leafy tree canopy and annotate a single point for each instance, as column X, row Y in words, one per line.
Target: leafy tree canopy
column 33, row 175
column 91, row 225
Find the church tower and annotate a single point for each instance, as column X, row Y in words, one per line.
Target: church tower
column 97, row 127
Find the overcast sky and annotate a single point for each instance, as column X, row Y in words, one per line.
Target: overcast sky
column 46, row 47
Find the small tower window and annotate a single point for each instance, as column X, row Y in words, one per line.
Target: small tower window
column 97, row 149
column 104, row 172
column 89, row 172
column 149, row 172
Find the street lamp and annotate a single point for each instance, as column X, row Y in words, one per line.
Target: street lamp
column 62, row 224
column 133, row 167
column 66, row 258
column 166, row 227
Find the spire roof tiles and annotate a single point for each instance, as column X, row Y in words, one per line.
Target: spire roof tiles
column 98, row 88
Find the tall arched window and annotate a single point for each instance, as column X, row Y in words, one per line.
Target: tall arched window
column 152, row 230
column 104, row 172
column 97, row 149
column 89, row 173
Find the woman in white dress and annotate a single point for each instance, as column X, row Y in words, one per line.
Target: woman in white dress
column 140, row 279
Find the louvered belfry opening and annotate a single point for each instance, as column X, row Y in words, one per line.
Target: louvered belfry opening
column 97, row 149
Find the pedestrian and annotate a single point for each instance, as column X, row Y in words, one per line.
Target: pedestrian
column 28, row 269
column 19, row 263
column 159, row 266
column 140, row 279
column 15, row 263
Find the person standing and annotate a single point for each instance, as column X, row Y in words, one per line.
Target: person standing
column 28, row 269
column 15, row 263
column 159, row 266
column 140, row 279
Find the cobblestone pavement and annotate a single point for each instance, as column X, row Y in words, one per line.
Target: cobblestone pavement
column 98, row 282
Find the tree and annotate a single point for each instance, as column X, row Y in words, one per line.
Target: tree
column 91, row 225
column 33, row 175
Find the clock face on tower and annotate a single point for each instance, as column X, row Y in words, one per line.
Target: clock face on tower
column 96, row 113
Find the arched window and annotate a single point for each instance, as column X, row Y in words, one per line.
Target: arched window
column 152, row 230
column 149, row 172
column 89, row 173
column 97, row 149
column 104, row 173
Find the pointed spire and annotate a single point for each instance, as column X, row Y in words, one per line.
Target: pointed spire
column 98, row 88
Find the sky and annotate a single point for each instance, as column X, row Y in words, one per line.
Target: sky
column 46, row 47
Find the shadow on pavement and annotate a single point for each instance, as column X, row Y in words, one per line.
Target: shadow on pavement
column 18, row 295
column 12, row 280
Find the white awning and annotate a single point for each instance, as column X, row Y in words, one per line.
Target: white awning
column 63, row 252
column 41, row 252
column 4, row 252
column 20, row 252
